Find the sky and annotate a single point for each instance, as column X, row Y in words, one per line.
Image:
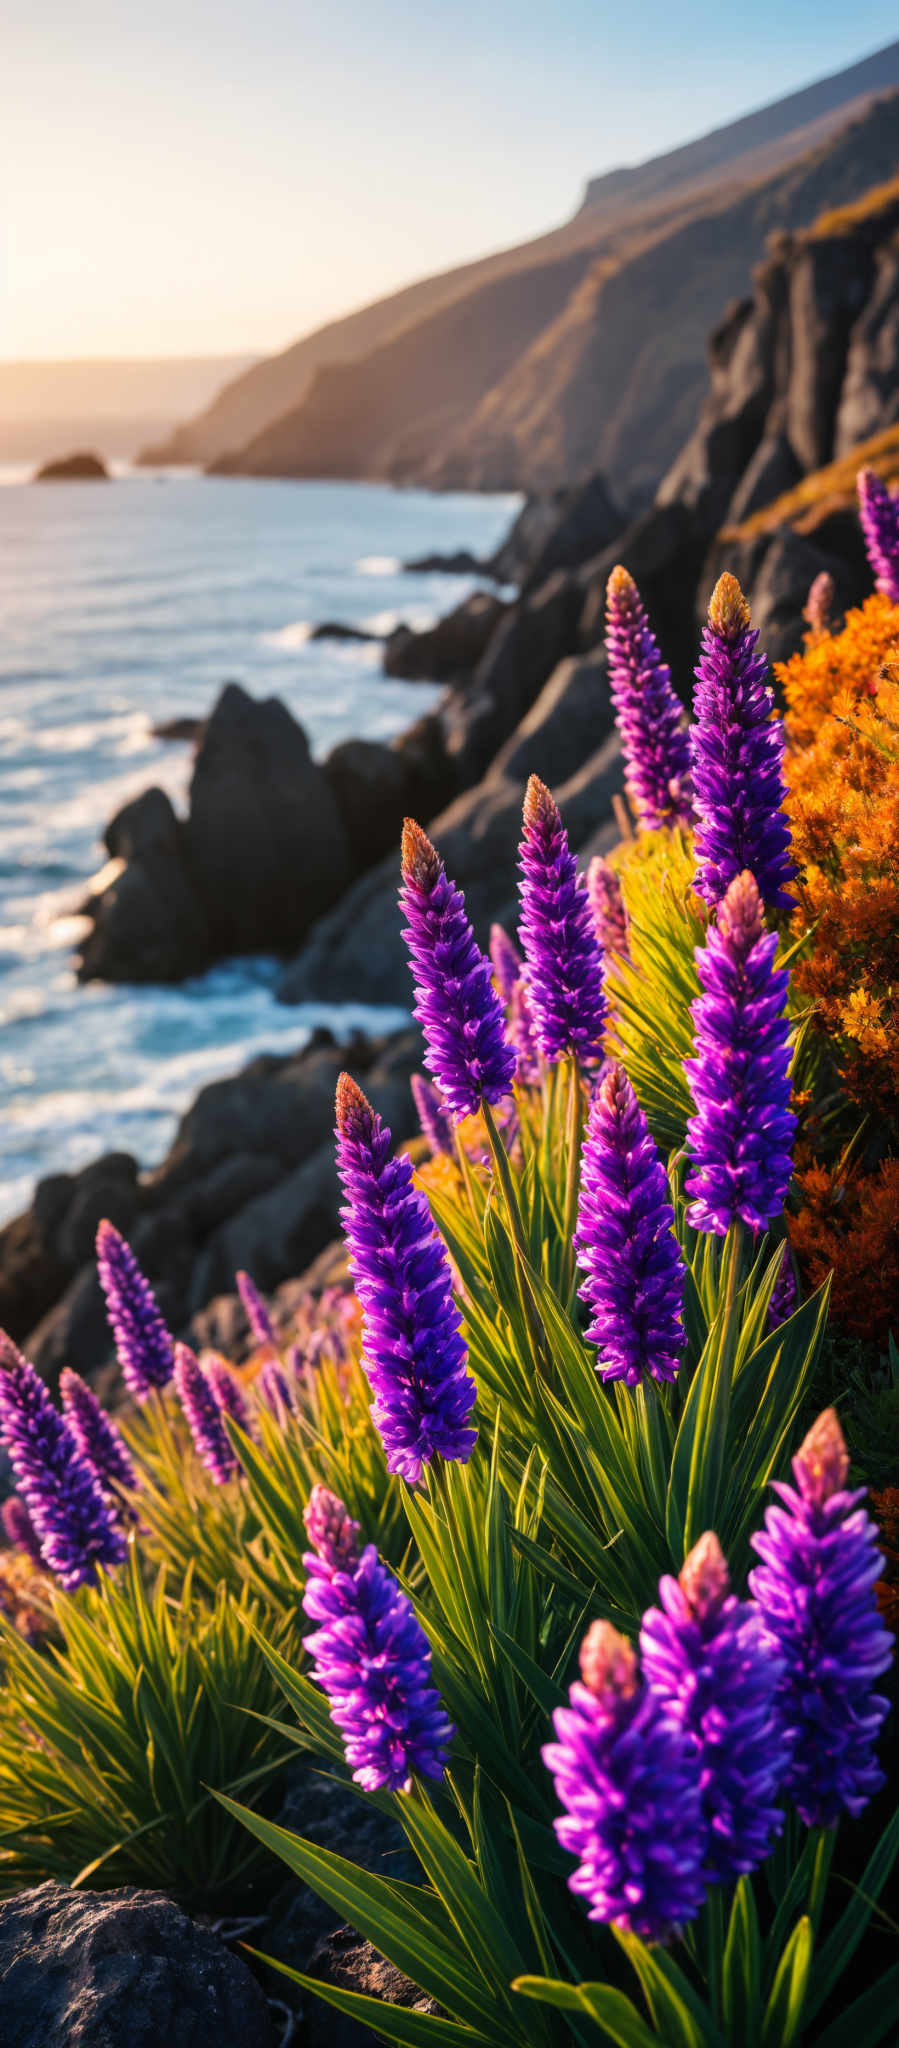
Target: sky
column 193, row 178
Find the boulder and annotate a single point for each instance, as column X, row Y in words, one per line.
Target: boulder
column 264, row 841
column 531, row 638
column 41, row 1250
column 571, row 717
column 588, row 521
column 772, row 470
column 149, row 923
column 377, row 786
column 448, row 649
column 82, row 468
column 462, row 563
column 104, row 1969
column 343, row 1958
column 663, row 549
column 530, row 532
column 869, row 399
column 179, row 729
column 335, row 629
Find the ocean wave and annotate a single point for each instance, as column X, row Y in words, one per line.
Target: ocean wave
column 378, row 565
column 289, row 638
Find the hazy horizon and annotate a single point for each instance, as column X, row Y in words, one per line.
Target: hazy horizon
column 190, row 194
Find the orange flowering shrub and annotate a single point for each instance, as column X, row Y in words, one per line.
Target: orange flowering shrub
column 886, row 1508
column 842, row 720
column 849, row 1221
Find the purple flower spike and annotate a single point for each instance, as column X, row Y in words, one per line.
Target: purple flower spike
column 627, row 1779
column 61, row 1492
column 413, row 1353
column 784, row 1294
column 650, row 715
column 143, row 1345
column 879, row 513
column 715, row 1671
column 227, row 1391
column 739, row 1141
column 96, row 1435
column 607, row 907
column 203, row 1415
column 631, row 1262
column 737, row 750
column 565, row 967
column 333, row 1534
column 523, row 1035
column 257, row 1314
column 371, row 1658
column 20, row 1528
column 456, row 1003
column 505, row 960
column 274, row 1390
column 433, row 1116
column 819, row 603
column 814, row 1592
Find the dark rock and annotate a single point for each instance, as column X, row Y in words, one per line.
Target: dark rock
column 108, row 1187
column 179, row 729
column 568, row 721
column 869, row 399
column 743, row 352
column 234, row 1181
column 345, row 1960
column 149, row 924
column 335, row 629
column 530, row 532
column 462, row 563
column 264, row 841
column 357, row 951
column 120, row 1969
column 82, row 468
column 663, row 550
column 41, row 1250
column 830, row 281
column 448, row 649
column 146, row 826
column 522, row 653
column 588, row 522
column 74, row 1331
column 378, row 786
column 772, row 470
column 776, row 569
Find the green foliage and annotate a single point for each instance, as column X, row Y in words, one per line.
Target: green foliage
column 112, row 1745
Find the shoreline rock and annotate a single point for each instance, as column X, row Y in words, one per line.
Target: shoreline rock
column 81, row 468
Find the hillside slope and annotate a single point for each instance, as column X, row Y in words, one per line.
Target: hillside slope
column 621, row 204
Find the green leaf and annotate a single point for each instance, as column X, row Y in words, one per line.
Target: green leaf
column 869, row 2020
column 680, row 2016
column 784, row 2011
column 392, row 2022
column 741, row 1968
column 837, row 1951
column 615, row 2013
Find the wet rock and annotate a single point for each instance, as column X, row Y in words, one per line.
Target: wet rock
column 82, row 468
column 462, row 563
column 335, row 629
column 149, row 921
column 106, row 1969
column 179, row 729
column 448, row 649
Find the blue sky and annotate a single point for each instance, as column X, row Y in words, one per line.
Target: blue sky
column 196, row 177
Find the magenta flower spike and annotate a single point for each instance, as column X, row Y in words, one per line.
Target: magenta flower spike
column 737, row 748
column 819, row 603
column 564, row 963
column 203, row 1416
column 814, row 1593
column 650, row 715
column 96, row 1435
column 879, row 513
column 715, row 1672
column 631, row 1264
column 607, row 907
column 20, row 1530
column 433, row 1115
column 455, row 1001
column 739, row 1142
column 626, row 1777
column 261, row 1325
column 74, row 1525
column 505, row 960
column 413, row 1352
column 143, row 1346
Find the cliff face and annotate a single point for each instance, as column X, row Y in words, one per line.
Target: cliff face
column 554, row 388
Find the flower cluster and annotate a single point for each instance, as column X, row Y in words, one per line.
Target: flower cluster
column 632, row 1264
column 414, row 1355
column 737, row 747
column 96, row 1435
column 455, row 1000
column 740, row 1139
column 203, row 1415
column 879, row 514
column 608, row 907
column 261, row 1326
column 370, row 1656
column 564, row 963
column 433, row 1115
column 650, row 716
column 72, row 1520
column 143, row 1345
column 847, row 1225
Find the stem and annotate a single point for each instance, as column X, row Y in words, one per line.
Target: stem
column 166, row 1435
column 824, row 1848
column 714, row 1908
column 503, row 1176
column 574, row 1133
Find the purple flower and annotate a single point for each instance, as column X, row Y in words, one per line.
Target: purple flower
column 522, row 1035
column 413, row 1353
column 879, row 513
column 631, row 1262
column 227, row 1390
column 96, row 1435
column 62, row 1494
column 257, row 1314
column 714, row 1670
column 333, row 1534
column 274, row 1390
column 626, row 1777
column 565, row 968
column 143, row 1345
column 737, row 748
column 20, row 1528
column 814, row 1592
column 456, row 1003
column 784, row 1296
column 819, row 603
column 607, row 907
column 371, row 1658
column 204, row 1416
column 650, row 715
column 506, row 961
column 433, row 1116
column 739, row 1141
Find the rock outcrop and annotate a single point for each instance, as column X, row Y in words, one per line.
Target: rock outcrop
column 101, row 1969
column 81, row 468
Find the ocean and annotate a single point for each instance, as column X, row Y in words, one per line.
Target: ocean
column 123, row 605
